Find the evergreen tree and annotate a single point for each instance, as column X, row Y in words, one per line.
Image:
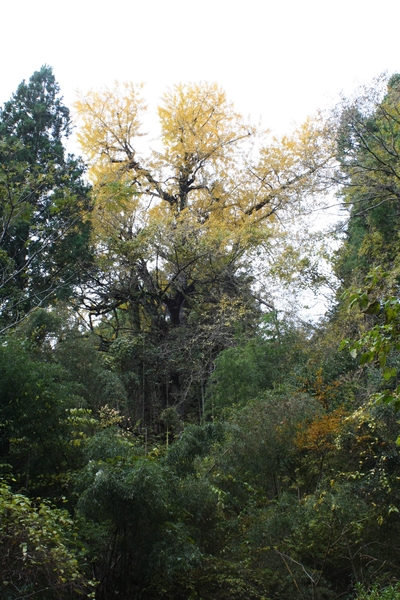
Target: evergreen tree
column 44, row 201
column 368, row 146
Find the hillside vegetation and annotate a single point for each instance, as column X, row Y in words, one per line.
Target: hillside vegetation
column 167, row 430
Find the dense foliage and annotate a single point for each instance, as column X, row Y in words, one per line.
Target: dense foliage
column 165, row 431
column 43, row 234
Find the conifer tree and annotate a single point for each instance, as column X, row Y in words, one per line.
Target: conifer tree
column 44, row 236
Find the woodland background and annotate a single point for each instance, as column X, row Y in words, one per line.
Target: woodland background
column 168, row 428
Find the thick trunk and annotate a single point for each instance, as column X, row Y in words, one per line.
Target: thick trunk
column 177, row 304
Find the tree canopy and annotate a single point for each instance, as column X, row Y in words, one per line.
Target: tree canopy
column 166, row 430
column 185, row 221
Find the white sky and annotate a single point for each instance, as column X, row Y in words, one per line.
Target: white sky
column 279, row 60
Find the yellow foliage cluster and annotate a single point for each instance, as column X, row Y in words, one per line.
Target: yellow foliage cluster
column 215, row 171
column 202, row 205
column 320, row 435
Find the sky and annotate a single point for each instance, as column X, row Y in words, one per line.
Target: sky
column 278, row 61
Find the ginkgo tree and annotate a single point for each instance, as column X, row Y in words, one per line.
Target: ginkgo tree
column 179, row 226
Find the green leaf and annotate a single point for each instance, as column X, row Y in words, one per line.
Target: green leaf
column 391, row 314
column 363, row 301
column 373, row 308
column 389, row 373
column 367, row 357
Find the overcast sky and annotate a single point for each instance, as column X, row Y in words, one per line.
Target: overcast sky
column 278, row 60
